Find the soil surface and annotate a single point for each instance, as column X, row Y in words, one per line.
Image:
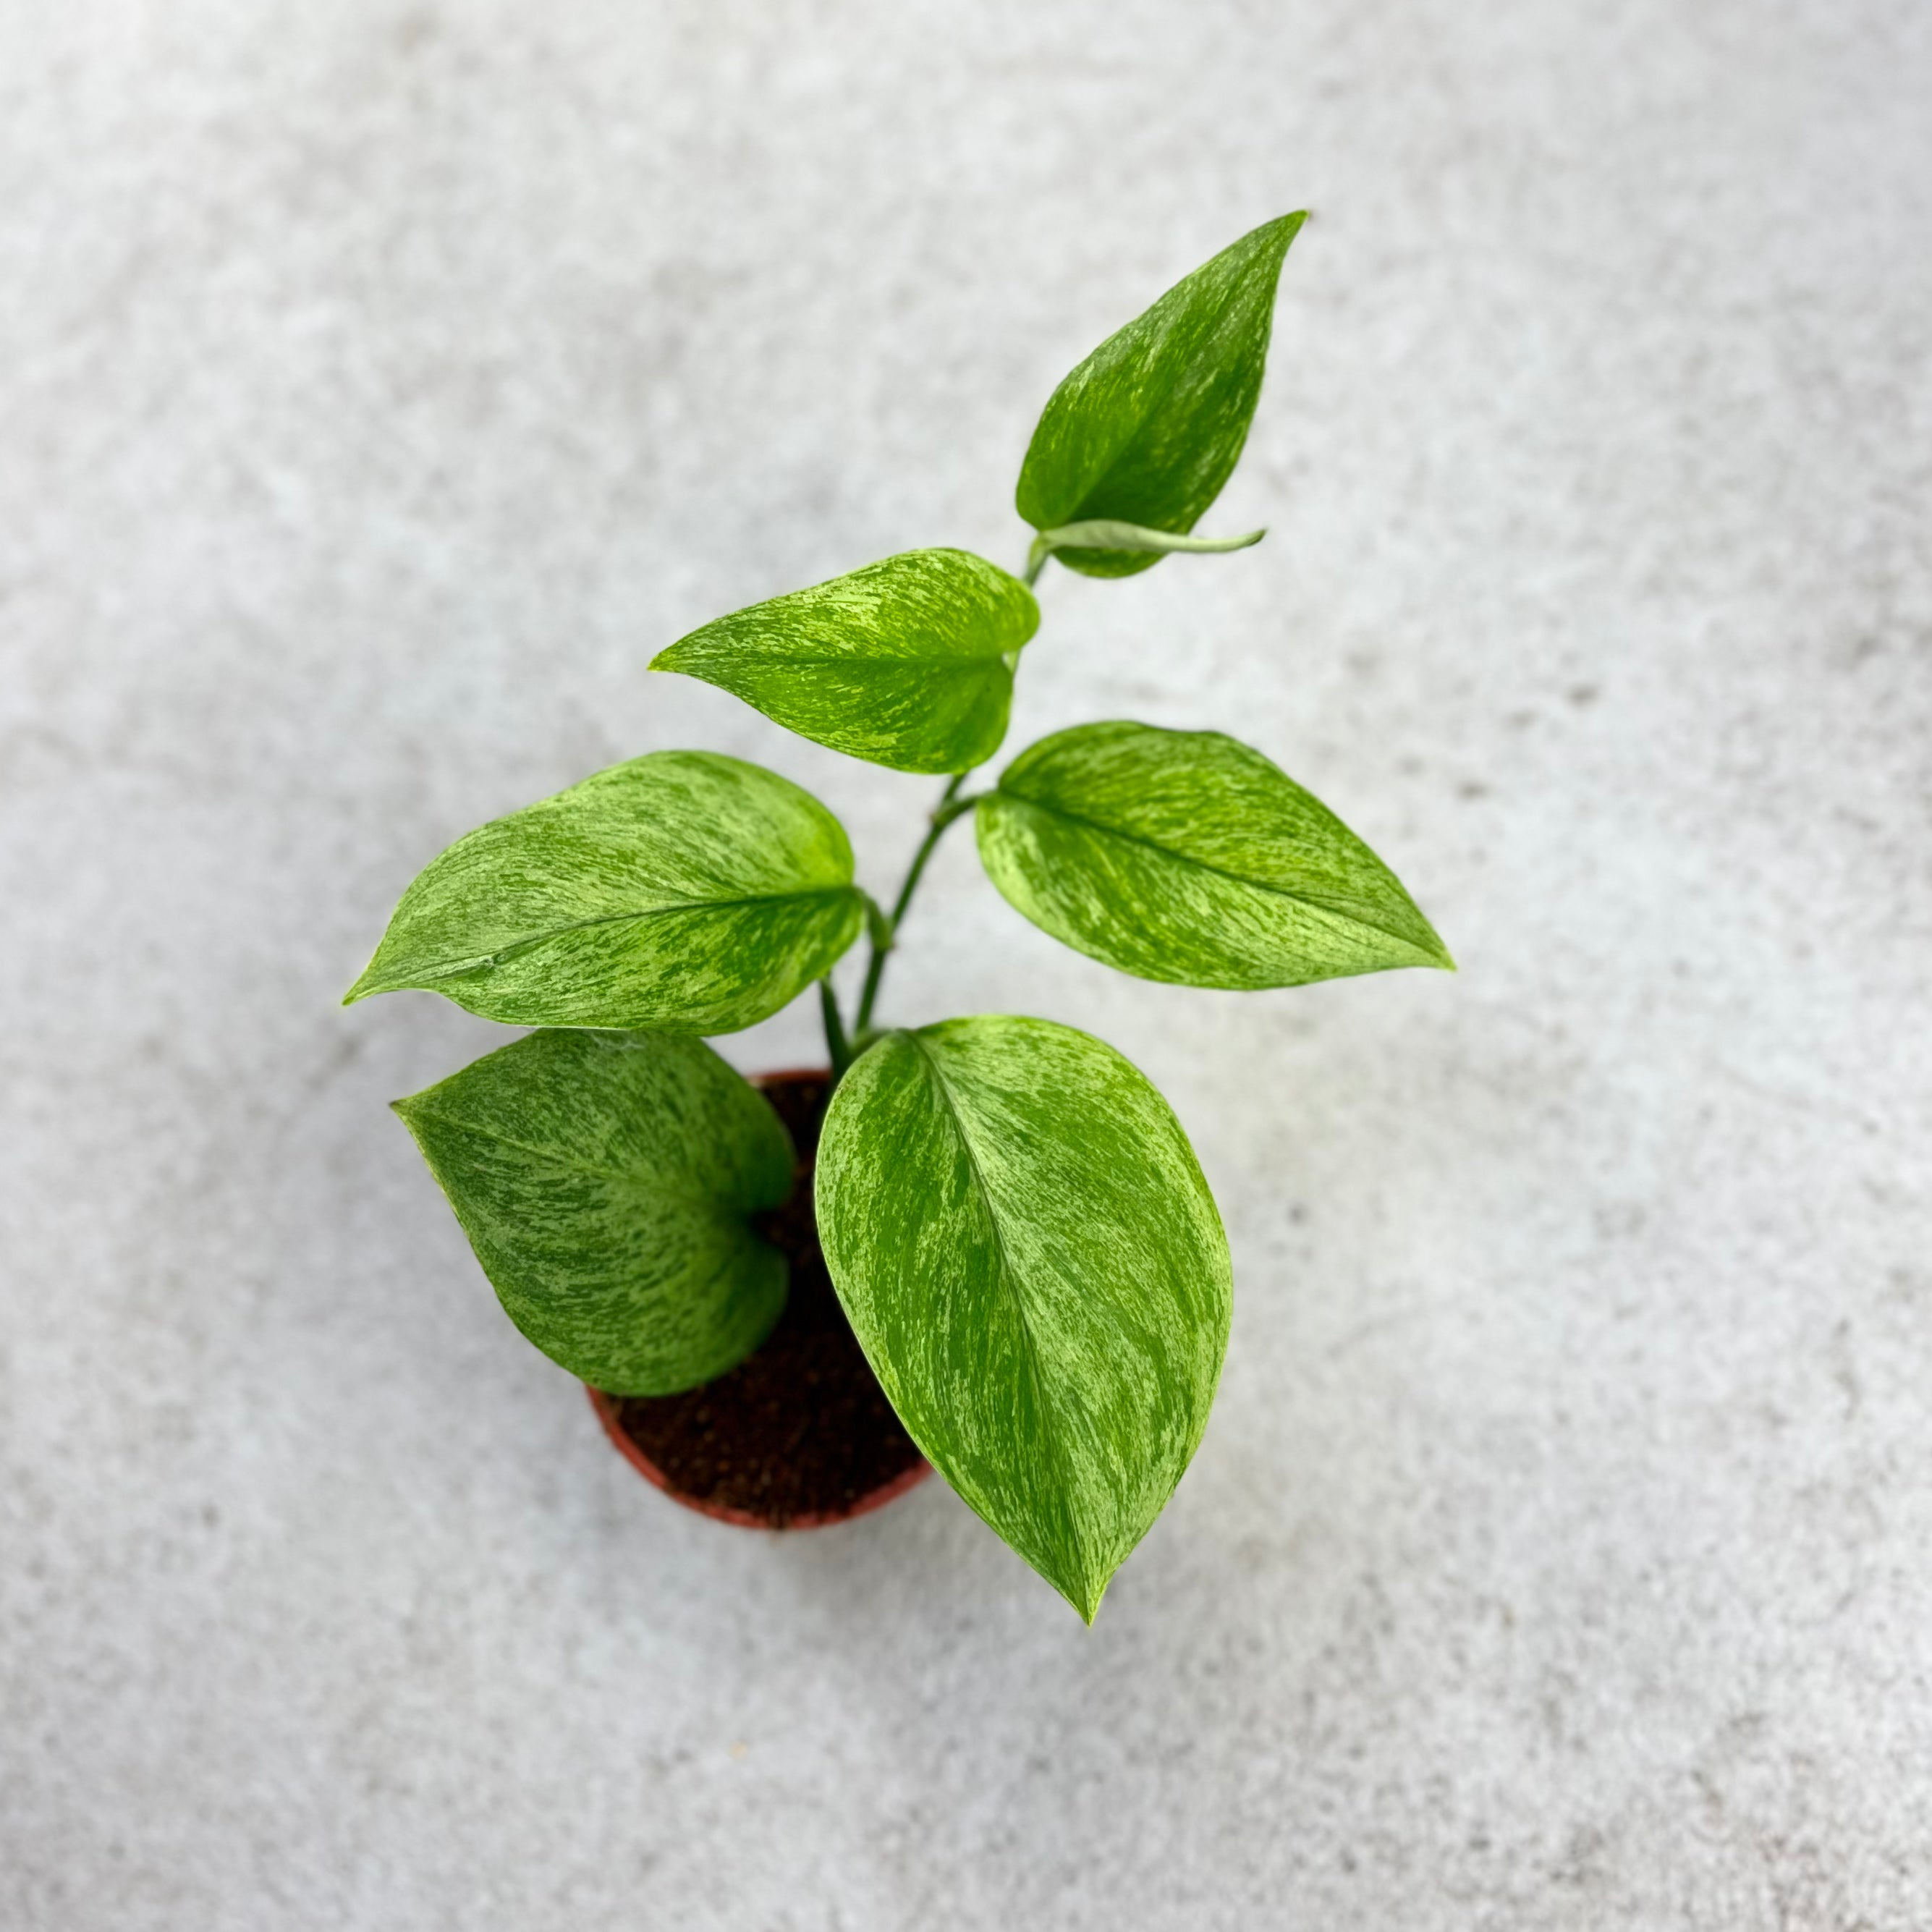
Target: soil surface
column 800, row 1428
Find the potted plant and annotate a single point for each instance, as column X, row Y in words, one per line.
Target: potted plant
column 997, row 1220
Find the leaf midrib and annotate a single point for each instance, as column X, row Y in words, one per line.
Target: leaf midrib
column 481, row 961
column 982, row 661
column 724, row 1210
column 1093, row 825
column 1119, row 451
column 1008, row 1273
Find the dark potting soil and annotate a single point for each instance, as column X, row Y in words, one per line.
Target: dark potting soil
column 800, row 1427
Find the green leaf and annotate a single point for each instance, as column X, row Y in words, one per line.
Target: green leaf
column 1186, row 857
column 684, row 890
column 606, row 1182
column 907, row 662
column 1150, row 426
column 1029, row 1255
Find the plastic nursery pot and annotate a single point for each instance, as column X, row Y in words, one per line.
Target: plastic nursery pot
column 799, row 1434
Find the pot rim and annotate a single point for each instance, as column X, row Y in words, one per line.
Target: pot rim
column 608, row 1413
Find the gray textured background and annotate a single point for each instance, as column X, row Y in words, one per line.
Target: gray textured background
column 379, row 386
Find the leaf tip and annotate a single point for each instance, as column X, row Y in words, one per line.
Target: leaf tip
column 1081, row 1588
column 373, row 979
column 1440, row 957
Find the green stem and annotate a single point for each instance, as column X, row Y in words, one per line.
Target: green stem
column 836, row 1045
column 950, row 806
column 1036, row 558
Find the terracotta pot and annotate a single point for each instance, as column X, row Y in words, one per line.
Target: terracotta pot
column 609, row 1409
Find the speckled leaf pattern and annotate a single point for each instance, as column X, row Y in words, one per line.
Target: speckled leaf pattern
column 1187, row 856
column 1025, row 1247
column 906, row 662
column 1150, row 426
column 605, row 1181
column 685, row 891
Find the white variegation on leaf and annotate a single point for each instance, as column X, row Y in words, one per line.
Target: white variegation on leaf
column 606, row 1182
column 684, row 890
column 1023, row 1241
column 908, row 662
column 1189, row 857
column 1103, row 533
column 1144, row 433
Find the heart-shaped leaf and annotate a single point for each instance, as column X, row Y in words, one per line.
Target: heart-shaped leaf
column 907, row 663
column 1149, row 427
column 606, row 1182
column 1187, row 857
column 684, row 891
column 1029, row 1255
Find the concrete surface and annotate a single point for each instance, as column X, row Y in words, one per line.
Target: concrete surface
column 380, row 385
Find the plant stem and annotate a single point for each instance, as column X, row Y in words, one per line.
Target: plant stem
column 836, row 1044
column 1036, row 558
column 950, row 806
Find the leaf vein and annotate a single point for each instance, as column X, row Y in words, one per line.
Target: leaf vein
column 1095, row 826
column 1008, row 1273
